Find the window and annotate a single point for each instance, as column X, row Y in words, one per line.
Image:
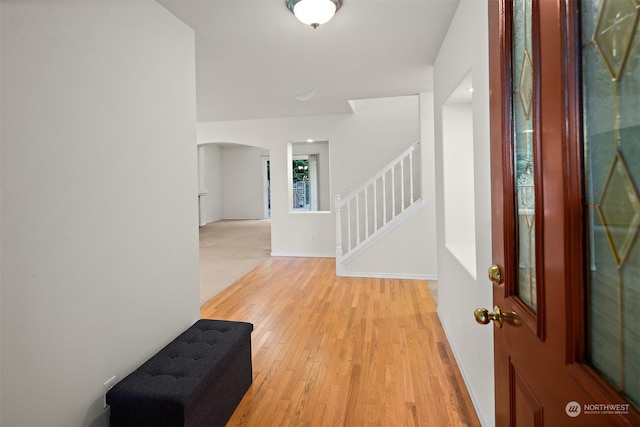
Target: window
column 309, row 176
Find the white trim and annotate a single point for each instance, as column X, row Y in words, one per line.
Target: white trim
column 303, row 255
column 265, row 187
column 313, row 182
column 409, row 276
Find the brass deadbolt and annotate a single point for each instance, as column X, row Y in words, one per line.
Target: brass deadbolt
column 496, row 274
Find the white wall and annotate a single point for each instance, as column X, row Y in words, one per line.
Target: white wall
column 389, row 257
column 465, row 49
column 232, row 179
column 99, row 242
column 360, row 144
column 428, row 187
column 242, row 177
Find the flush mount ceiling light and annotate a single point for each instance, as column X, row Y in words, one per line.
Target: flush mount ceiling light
column 314, row 12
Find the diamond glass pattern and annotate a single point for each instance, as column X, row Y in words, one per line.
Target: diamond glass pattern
column 523, row 88
column 614, row 32
column 611, row 89
column 619, row 208
column 525, row 84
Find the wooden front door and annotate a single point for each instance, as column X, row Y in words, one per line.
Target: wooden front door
column 565, row 141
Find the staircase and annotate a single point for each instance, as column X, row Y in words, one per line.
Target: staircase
column 378, row 206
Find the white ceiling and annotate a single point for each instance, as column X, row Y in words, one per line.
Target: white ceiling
column 253, row 57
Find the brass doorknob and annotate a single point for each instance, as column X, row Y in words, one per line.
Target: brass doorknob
column 484, row 316
column 496, row 274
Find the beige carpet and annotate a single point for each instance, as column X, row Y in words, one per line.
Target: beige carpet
column 229, row 249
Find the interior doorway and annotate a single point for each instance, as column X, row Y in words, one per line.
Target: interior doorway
column 235, row 211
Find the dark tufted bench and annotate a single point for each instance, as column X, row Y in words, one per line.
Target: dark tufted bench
column 196, row 380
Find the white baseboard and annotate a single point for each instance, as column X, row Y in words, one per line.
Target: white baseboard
column 389, row 275
column 408, row 276
column 303, row 255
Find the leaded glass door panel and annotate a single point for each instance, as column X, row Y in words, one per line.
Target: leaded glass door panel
column 611, row 104
column 565, row 139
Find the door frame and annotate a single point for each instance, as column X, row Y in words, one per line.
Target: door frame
column 266, row 187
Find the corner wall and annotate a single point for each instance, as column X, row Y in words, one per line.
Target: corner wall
column 427, row 151
column 99, row 243
column 464, row 50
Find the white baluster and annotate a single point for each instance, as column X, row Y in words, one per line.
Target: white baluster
column 384, row 198
column 366, row 212
column 361, row 195
column 393, row 191
column 402, row 185
column 411, row 177
column 357, row 219
column 349, row 225
column 375, row 206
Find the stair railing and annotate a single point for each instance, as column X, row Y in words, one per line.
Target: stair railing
column 369, row 208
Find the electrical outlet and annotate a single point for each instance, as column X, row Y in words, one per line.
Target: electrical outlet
column 106, row 387
column 312, row 236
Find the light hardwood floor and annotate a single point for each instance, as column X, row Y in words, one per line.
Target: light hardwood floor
column 330, row 351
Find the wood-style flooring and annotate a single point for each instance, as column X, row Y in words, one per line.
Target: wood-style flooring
column 335, row 351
